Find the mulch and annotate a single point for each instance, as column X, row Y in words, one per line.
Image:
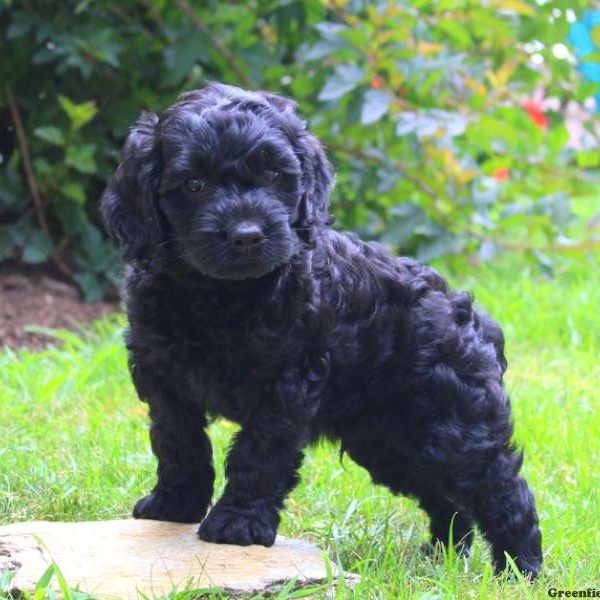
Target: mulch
column 36, row 296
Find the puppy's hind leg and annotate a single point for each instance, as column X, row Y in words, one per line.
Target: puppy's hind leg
column 505, row 511
column 448, row 524
column 468, row 450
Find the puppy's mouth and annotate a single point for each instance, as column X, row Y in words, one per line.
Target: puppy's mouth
column 247, row 269
column 220, row 258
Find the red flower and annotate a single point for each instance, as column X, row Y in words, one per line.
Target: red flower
column 501, row 174
column 536, row 114
column 377, row 82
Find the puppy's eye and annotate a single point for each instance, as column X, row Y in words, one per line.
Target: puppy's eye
column 271, row 175
column 194, row 185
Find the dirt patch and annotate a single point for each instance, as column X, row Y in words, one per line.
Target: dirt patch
column 35, row 296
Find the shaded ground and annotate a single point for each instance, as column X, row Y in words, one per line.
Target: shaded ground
column 34, row 296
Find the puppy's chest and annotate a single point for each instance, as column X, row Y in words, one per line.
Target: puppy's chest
column 234, row 366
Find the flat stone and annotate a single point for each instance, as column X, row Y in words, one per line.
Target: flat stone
column 126, row 558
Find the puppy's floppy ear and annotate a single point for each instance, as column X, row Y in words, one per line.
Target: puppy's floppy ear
column 317, row 181
column 128, row 204
column 317, row 174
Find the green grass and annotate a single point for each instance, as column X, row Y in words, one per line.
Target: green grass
column 74, row 446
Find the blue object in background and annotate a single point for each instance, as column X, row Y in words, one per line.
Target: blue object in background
column 580, row 37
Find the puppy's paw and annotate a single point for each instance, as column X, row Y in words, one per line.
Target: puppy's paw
column 239, row 525
column 529, row 567
column 181, row 506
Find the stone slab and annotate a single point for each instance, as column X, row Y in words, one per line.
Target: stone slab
column 126, row 558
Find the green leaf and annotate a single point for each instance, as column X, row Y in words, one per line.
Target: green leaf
column 457, row 32
column 51, row 134
column 438, row 246
column 376, row 104
column 7, row 249
column 406, row 124
column 38, row 248
column 345, row 79
column 517, row 6
column 331, row 31
column 20, row 232
column 13, row 197
column 74, row 191
column 545, row 262
column 43, row 167
column 82, row 6
column 93, row 289
column 488, row 250
column 453, row 123
column 44, row 56
column 407, row 218
column 21, row 23
column 423, row 124
column 79, row 114
column 320, row 49
column 359, row 37
column 42, row 587
column 181, row 56
column 81, row 158
column 592, row 57
column 587, row 159
column 559, row 207
column 426, row 126
column 93, row 251
column 5, row 580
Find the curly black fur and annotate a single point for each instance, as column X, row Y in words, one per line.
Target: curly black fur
column 243, row 303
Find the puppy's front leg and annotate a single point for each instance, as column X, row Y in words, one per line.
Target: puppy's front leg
column 179, row 441
column 261, row 469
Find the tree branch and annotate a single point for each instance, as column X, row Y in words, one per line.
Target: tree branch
column 29, row 174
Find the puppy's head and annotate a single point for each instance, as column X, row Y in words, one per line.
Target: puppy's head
column 226, row 180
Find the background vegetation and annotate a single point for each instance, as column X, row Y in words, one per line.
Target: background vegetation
column 426, row 109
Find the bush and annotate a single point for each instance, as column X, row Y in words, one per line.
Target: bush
column 425, row 108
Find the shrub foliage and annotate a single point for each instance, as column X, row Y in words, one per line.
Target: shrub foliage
column 426, row 109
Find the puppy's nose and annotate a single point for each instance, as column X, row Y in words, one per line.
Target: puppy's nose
column 246, row 236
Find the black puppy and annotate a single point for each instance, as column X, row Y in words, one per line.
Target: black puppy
column 242, row 302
